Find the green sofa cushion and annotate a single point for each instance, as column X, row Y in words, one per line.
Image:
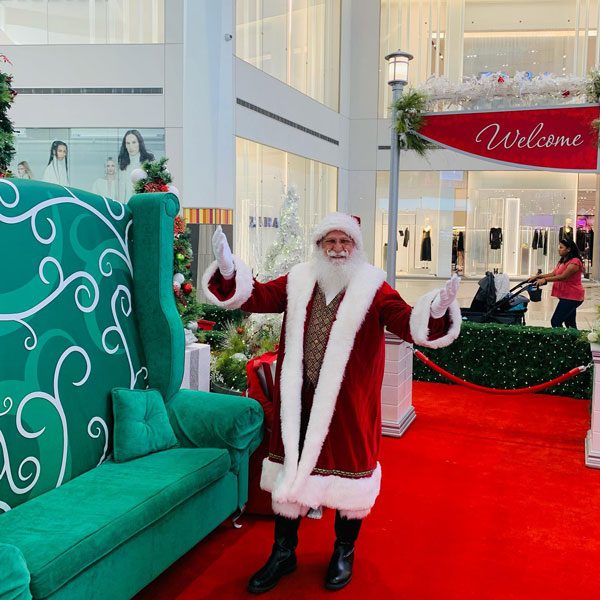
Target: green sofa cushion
column 14, row 574
column 202, row 419
column 141, row 424
column 64, row 531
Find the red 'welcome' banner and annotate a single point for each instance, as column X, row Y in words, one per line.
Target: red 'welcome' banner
column 546, row 138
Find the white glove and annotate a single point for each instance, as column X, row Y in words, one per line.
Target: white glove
column 445, row 297
column 222, row 253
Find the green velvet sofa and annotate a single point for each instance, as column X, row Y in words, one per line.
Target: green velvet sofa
column 86, row 305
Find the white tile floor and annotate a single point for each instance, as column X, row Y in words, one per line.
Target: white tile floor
column 538, row 313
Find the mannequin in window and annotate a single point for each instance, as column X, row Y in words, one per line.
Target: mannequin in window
column 57, row 170
column 426, row 242
column 107, row 186
column 496, row 238
column 131, row 156
column 566, row 232
column 24, row 170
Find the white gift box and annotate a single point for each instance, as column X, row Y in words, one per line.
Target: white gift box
column 196, row 374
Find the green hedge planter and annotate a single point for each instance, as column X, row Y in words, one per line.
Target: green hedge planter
column 511, row 356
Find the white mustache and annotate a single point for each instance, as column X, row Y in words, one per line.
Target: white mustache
column 342, row 254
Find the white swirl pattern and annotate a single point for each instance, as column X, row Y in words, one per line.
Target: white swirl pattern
column 97, row 432
column 22, row 478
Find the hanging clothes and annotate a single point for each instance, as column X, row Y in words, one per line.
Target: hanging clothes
column 545, row 242
column 426, row 245
column 580, row 238
column 591, row 246
column 406, row 237
column 535, row 242
column 454, row 249
column 565, row 233
column 460, row 246
column 495, row 238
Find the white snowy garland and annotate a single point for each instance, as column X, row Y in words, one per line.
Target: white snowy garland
column 498, row 90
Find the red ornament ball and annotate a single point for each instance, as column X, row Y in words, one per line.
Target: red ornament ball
column 187, row 288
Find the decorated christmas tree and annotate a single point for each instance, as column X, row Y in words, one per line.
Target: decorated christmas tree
column 154, row 177
column 288, row 249
column 7, row 96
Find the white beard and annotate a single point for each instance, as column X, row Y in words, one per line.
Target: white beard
column 334, row 275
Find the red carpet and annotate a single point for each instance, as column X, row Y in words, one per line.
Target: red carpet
column 485, row 497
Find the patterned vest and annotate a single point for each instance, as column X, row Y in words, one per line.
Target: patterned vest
column 320, row 322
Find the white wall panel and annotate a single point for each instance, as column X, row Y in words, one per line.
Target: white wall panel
column 123, row 65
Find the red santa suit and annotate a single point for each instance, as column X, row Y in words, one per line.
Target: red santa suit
column 338, row 465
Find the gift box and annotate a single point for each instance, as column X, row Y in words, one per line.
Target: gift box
column 196, row 372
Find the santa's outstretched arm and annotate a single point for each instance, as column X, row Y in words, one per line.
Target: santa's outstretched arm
column 228, row 282
column 434, row 321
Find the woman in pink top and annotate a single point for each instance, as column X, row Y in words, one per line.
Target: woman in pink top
column 567, row 284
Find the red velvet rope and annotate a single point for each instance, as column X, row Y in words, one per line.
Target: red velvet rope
column 489, row 390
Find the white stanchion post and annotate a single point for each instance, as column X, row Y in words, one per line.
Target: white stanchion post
column 592, row 440
column 397, row 411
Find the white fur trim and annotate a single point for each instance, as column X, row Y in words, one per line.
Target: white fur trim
column 338, row 222
column 355, row 497
column 243, row 284
column 419, row 322
column 350, row 316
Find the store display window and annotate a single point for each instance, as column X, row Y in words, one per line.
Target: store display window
column 97, row 160
column 278, row 190
column 498, row 221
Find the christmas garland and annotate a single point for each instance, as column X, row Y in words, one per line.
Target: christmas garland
column 7, row 96
column 409, row 119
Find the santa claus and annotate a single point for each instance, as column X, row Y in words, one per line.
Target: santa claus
column 326, row 401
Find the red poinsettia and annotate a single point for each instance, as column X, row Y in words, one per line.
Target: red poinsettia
column 155, row 187
column 500, row 79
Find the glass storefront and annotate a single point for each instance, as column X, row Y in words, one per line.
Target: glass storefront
column 498, row 221
column 295, row 41
column 92, row 22
column 459, row 40
column 263, row 177
column 98, row 160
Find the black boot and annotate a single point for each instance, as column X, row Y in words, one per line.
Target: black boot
column 283, row 557
column 339, row 572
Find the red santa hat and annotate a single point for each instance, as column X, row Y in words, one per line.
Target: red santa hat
column 338, row 222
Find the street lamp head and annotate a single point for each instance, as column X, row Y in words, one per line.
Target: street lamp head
column 398, row 67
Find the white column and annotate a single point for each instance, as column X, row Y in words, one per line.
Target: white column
column 397, row 411
column 359, row 93
column 592, row 441
column 209, row 104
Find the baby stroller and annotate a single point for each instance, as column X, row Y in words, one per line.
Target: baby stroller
column 510, row 309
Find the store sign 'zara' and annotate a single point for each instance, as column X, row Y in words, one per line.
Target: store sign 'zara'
column 549, row 138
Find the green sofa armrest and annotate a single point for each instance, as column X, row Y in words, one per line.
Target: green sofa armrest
column 208, row 420
column 14, row 579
